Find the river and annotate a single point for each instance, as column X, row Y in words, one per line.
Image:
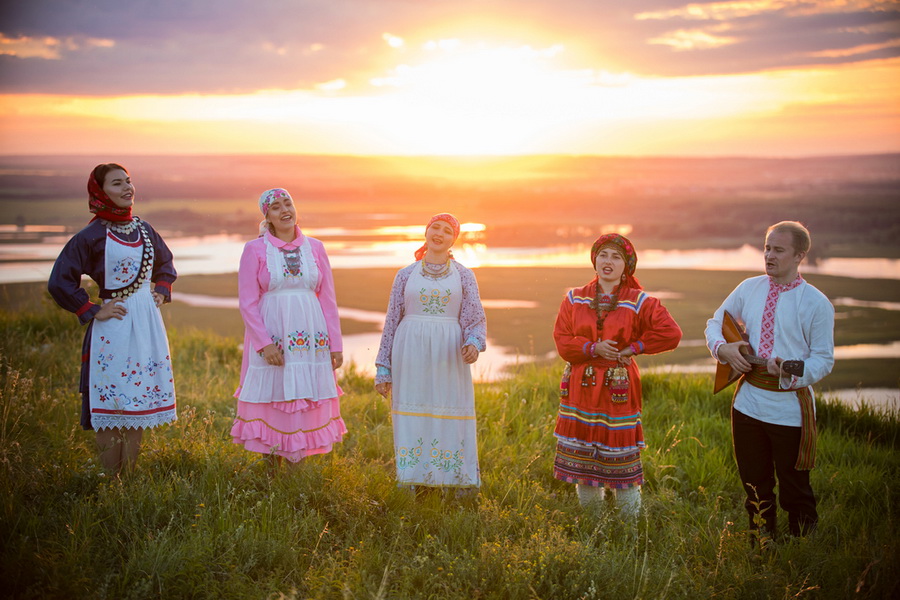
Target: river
column 392, row 247
column 30, row 262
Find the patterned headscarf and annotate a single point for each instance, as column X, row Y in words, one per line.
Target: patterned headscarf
column 447, row 218
column 265, row 201
column 625, row 247
column 99, row 203
column 269, row 196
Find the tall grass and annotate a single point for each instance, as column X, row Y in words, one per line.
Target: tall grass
column 202, row 518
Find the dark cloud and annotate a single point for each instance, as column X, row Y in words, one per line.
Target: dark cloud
column 773, row 46
column 202, row 46
column 769, row 40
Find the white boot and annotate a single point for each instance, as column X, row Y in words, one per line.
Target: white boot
column 629, row 501
column 589, row 494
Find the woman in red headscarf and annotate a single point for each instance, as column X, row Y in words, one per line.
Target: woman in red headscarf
column 600, row 327
column 126, row 373
column 434, row 329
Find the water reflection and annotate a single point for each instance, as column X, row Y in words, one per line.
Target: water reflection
column 407, row 232
column 885, row 400
column 221, row 254
column 853, row 302
column 361, row 348
column 891, row 350
column 493, row 364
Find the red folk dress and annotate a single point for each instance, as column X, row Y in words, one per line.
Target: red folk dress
column 598, row 440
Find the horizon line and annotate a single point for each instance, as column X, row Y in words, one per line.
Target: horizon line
column 480, row 157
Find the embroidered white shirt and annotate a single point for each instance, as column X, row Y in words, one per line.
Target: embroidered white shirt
column 803, row 330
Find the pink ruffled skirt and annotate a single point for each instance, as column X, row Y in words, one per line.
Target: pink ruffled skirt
column 293, row 429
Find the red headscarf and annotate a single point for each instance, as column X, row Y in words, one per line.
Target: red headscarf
column 99, row 203
column 624, row 246
column 447, row 218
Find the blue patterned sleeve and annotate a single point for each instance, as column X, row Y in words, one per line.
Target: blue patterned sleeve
column 391, row 321
column 471, row 313
column 65, row 278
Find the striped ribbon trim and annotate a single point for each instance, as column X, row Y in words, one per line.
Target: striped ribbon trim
column 296, row 431
column 589, row 466
column 762, row 379
column 806, row 457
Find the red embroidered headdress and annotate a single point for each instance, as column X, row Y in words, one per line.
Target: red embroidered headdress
column 626, row 248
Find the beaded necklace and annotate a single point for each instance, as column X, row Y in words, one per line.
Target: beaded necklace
column 616, row 378
column 432, row 271
column 603, row 304
column 292, row 261
column 147, row 257
column 120, row 227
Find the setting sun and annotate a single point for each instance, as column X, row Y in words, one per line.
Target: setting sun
column 688, row 80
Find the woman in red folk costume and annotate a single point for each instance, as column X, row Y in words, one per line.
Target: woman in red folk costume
column 600, row 327
column 126, row 372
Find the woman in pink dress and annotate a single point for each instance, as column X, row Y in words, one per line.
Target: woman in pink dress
column 288, row 404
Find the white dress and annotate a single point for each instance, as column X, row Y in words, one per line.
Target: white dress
column 433, row 408
column 294, row 318
column 131, row 383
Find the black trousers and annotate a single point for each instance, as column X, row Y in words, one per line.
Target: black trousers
column 764, row 451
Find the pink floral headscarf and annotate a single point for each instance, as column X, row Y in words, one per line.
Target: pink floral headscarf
column 265, row 201
column 269, row 196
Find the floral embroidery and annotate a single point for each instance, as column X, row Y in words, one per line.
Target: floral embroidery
column 278, row 344
column 407, row 458
column 293, row 263
column 298, row 341
column 445, row 460
column 434, row 304
column 140, row 396
column 126, row 270
column 323, row 343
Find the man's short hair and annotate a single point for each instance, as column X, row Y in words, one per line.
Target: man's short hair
column 799, row 234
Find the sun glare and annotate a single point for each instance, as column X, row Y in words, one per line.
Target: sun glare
column 454, row 96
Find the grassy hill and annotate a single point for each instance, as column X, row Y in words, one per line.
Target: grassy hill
column 202, row 518
column 523, row 201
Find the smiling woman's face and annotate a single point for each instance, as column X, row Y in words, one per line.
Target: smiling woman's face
column 282, row 213
column 439, row 236
column 117, row 185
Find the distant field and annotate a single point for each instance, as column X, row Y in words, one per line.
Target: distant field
column 691, row 296
column 526, row 201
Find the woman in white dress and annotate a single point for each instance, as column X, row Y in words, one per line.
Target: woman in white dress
column 288, row 404
column 434, row 330
column 126, row 372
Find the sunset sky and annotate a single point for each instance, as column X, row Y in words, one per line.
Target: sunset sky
column 612, row 77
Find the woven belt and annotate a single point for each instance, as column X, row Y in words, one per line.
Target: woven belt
column 806, row 457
